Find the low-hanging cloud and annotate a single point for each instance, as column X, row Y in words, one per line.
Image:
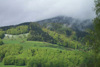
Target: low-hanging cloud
column 18, row 11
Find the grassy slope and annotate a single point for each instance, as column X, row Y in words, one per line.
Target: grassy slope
column 21, row 39
column 29, row 44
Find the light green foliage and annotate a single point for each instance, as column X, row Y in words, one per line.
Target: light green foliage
column 55, row 58
column 19, row 61
column 9, row 60
column 62, row 40
column 40, row 54
column 7, row 50
column 41, row 57
column 18, row 30
column 27, row 44
column 62, row 53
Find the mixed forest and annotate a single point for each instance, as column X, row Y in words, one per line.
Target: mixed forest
column 51, row 44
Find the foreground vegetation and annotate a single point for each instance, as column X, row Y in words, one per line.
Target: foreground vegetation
column 20, row 52
column 41, row 56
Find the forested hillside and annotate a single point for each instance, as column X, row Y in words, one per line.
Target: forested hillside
column 35, row 45
column 60, row 24
column 49, row 33
column 41, row 44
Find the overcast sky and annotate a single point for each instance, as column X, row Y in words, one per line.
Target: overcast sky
column 19, row 11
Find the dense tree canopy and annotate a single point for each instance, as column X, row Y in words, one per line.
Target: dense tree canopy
column 2, row 34
column 1, row 42
column 94, row 37
column 62, row 40
column 41, row 57
column 37, row 34
column 18, row 30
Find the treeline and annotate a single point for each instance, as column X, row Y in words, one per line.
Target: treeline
column 59, row 28
column 55, row 34
column 62, row 28
column 2, row 34
column 18, row 30
column 42, row 57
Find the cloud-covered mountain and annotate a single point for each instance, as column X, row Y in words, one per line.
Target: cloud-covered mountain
column 13, row 12
column 73, row 23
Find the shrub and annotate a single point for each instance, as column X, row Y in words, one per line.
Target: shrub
column 36, row 62
column 10, row 60
column 1, row 56
column 20, row 61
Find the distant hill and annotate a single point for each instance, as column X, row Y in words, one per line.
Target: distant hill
column 73, row 23
column 70, row 22
column 79, row 26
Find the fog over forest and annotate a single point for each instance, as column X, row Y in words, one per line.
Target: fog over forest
column 19, row 11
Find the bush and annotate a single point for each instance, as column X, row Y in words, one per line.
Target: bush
column 30, row 63
column 36, row 62
column 10, row 60
column 20, row 61
column 1, row 56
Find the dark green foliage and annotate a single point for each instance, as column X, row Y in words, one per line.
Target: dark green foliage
column 18, row 30
column 62, row 28
column 10, row 60
column 37, row 34
column 2, row 34
column 55, row 26
column 62, row 40
column 35, row 26
column 1, row 42
column 68, row 32
column 19, row 61
column 93, row 39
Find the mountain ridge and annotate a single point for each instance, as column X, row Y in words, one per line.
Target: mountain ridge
column 70, row 22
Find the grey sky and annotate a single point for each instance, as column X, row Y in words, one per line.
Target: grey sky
column 18, row 11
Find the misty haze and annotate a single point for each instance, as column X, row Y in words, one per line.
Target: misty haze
column 18, row 11
column 49, row 33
